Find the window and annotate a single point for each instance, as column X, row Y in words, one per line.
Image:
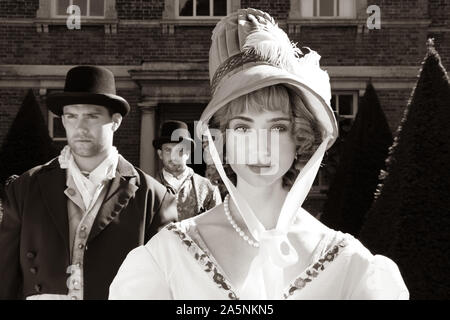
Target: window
column 345, row 107
column 93, row 12
column 89, row 8
column 201, row 8
column 195, row 12
column 328, row 8
column 56, row 128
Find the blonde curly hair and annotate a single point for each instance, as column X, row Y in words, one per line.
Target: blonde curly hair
column 305, row 129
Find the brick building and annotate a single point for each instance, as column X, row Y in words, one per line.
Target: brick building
column 158, row 51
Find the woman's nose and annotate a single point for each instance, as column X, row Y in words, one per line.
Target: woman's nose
column 263, row 146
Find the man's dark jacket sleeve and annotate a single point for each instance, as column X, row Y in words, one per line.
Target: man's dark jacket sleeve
column 163, row 207
column 10, row 272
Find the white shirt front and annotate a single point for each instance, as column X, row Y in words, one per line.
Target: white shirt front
column 176, row 181
column 91, row 186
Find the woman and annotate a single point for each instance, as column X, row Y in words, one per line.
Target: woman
column 270, row 104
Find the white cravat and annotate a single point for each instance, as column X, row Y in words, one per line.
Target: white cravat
column 176, row 181
column 91, row 186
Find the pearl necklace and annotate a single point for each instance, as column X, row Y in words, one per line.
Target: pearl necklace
column 226, row 208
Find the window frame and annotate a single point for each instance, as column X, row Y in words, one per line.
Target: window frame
column 171, row 17
column 51, row 131
column 322, row 188
column 194, row 9
column 335, row 10
column 54, row 10
column 355, row 95
column 45, row 17
column 296, row 20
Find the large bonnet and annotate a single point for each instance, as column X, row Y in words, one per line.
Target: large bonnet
column 249, row 52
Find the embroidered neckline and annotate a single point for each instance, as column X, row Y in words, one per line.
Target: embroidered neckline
column 206, row 260
column 314, row 270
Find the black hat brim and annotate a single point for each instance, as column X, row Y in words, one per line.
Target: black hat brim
column 56, row 101
column 157, row 143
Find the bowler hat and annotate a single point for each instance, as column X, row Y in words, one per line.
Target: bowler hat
column 173, row 131
column 88, row 85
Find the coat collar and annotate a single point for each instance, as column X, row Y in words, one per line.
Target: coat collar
column 121, row 189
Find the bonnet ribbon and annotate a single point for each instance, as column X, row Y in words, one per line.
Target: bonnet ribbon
column 265, row 278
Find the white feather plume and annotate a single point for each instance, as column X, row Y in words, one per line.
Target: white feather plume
column 272, row 43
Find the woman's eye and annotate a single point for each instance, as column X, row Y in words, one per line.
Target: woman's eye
column 241, row 129
column 279, row 128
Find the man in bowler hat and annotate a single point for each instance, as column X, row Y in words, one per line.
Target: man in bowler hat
column 68, row 224
column 195, row 194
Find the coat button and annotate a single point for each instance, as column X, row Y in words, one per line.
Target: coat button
column 76, row 285
column 38, row 288
column 83, row 228
column 33, row 270
column 73, row 298
column 31, row 255
column 123, row 199
column 71, row 191
column 80, row 246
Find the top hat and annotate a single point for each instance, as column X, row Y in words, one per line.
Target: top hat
column 88, row 85
column 173, row 131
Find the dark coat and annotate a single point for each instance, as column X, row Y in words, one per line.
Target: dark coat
column 34, row 233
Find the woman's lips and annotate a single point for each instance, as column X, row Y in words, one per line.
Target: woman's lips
column 258, row 168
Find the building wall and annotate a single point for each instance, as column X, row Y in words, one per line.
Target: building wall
column 140, row 10
column 392, row 45
column 18, row 8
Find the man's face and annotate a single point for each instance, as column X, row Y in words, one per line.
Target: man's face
column 89, row 128
column 174, row 156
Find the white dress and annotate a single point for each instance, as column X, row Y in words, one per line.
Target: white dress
column 176, row 264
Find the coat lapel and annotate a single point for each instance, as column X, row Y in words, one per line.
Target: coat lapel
column 52, row 183
column 122, row 188
column 160, row 178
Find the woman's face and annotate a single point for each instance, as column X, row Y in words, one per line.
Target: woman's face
column 260, row 147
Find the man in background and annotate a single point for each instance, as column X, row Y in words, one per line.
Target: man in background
column 194, row 193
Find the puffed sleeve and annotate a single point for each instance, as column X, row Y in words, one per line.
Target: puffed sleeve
column 140, row 277
column 377, row 278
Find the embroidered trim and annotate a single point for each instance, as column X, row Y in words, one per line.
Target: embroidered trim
column 204, row 260
column 313, row 271
column 299, row 283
